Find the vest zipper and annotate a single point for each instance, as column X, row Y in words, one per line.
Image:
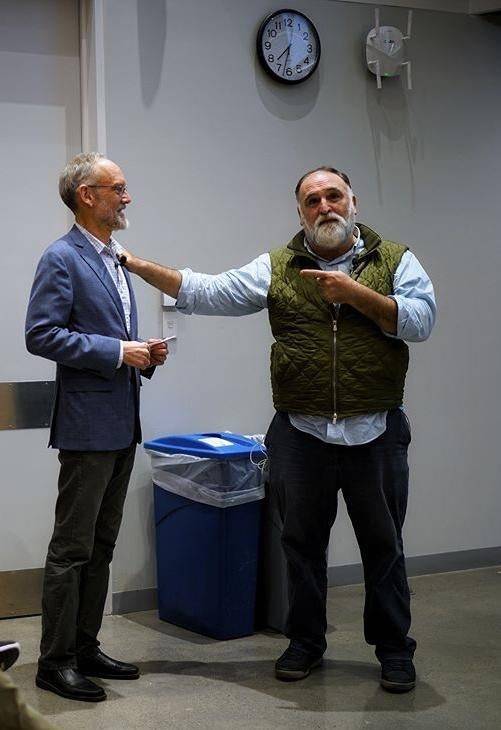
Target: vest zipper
column 354, row 273
column 335, row 310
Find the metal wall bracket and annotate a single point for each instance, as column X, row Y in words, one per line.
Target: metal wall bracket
column 26, row 405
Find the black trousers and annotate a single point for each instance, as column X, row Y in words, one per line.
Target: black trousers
column 92, row 487
column 305, row 477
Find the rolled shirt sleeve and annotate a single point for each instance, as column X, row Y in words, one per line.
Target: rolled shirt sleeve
column 233, row 293
column 415, row 298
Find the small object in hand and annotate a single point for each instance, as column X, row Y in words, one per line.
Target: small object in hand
column 153, row 345
column 122, row 259
column 159, row 342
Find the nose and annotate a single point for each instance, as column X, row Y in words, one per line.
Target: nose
column 324, row 206
column 126, row 198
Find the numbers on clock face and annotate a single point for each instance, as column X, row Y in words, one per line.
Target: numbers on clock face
column 289, row 46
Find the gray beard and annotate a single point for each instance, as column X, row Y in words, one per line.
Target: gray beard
column 330, row 237
column 120, row 222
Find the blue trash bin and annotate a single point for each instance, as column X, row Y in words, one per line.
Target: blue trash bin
column 207, row 493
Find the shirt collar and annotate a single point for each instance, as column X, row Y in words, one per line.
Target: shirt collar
column 357, row 246
column 113, row 248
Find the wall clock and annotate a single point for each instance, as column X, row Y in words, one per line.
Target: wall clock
column 288, row 46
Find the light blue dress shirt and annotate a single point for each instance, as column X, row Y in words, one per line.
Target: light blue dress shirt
column 245, row 291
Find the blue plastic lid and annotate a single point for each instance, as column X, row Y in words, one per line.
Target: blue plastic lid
column 214, row 445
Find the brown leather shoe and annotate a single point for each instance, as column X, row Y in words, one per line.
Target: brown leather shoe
column 94, row 663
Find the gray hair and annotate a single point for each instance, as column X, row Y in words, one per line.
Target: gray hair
column 322, row 168
column 77, row 171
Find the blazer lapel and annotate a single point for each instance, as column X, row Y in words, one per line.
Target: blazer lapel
column 96, row 263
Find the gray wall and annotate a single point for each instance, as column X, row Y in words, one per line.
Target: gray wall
column 212, row 149
column 39, row 132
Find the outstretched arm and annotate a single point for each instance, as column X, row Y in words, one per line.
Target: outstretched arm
column 232, row 293
column 161, row 277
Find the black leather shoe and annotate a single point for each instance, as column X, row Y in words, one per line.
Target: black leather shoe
column 398, row 675
column 295, row 663
column 69, row 683
column 9, row 652
column 95, row 663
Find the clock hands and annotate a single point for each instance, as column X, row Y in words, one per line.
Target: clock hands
column 287, row 50
column 286, row 59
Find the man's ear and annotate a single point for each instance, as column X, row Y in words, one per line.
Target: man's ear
column 354, row 201
column 85, row 196
column 300, row 216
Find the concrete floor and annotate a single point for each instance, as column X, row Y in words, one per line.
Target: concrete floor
column 189, row 681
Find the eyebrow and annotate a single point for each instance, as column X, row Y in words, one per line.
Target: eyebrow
column 328, row 190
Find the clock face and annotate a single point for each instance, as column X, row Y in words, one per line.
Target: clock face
column 288, row 46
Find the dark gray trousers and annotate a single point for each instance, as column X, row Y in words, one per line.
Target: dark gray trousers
column 306, row 475
column 92, row 487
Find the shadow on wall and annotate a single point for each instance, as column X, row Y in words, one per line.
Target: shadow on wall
column 138, row 510
column 388, row 114
column 152, row 30
column 286, row 102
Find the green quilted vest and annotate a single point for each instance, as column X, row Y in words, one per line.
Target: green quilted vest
column 316, row 371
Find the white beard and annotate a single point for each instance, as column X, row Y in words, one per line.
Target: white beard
column 331, row 236
column 121, row 223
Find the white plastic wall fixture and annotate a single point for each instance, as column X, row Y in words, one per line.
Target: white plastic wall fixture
column 386, row 52
column 168, row 302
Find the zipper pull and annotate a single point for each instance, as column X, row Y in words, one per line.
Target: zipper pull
column 334, row 419
column 334, row 325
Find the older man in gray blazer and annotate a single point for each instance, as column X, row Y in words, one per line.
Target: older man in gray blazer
column 82, row 314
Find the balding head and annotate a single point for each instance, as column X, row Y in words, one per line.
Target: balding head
column 322, row 168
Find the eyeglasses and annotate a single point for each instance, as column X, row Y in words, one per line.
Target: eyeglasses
column 120, row 190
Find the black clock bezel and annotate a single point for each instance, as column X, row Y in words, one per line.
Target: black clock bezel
column 264, row 62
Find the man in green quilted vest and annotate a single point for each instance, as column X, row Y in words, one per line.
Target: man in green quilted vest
column 342, row 304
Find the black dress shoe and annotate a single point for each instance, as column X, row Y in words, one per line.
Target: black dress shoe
column 9, row 652
column 69, row 683
column 95, row 663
